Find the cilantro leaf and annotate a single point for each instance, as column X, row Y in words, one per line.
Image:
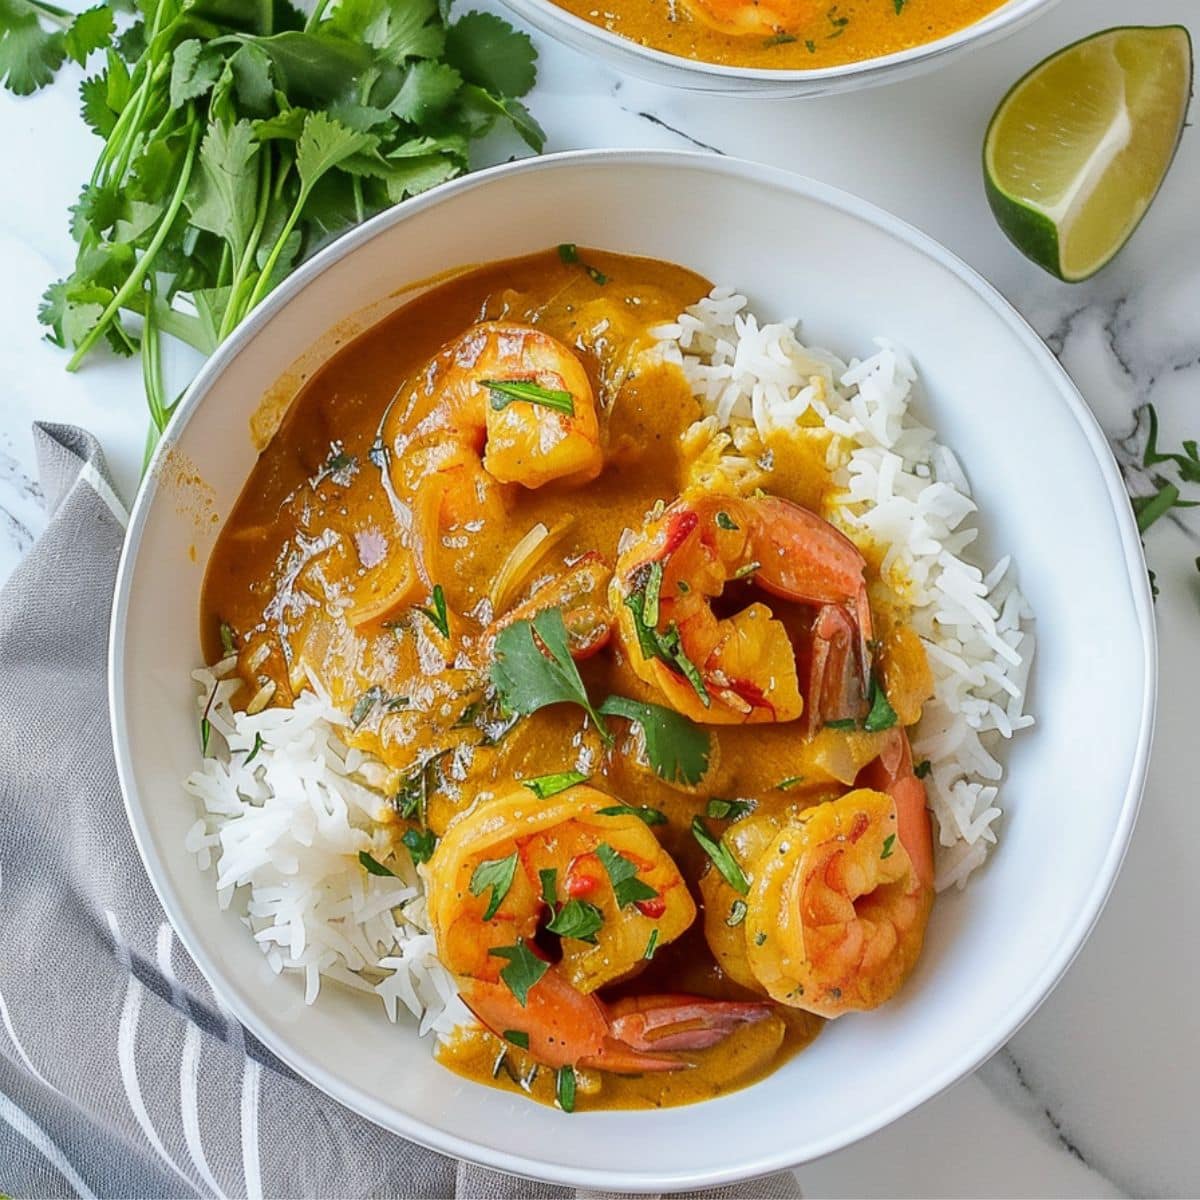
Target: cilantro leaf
column 90, row 31
column 505, row 391
column 545, row 786
column 29, row 55
column 518, row 1037
column 373, row 866
column 548, row 876
column 497, row 874
column 882, row 715
column 722, row 857
column 728, row 810
column 678, row 750
column 428, row 89
column 421, row 844
column 97, row 114
column 622, row 873
column 524, row 969
column 564, row 1089
column 533, row 668
column 577, row 919
column 437, row 614
column 491, row 54
column 192, row 72
column 652, row 816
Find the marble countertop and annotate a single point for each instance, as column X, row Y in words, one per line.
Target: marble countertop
column 1096, row 1095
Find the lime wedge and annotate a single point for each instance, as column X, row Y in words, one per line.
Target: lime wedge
column 1078, row 148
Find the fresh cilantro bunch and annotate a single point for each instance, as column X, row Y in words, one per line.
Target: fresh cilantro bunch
column 239, row 136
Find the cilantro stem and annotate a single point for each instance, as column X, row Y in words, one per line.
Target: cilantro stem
column 315, row 17
column 232, row 313
column 52, row 11
column 152, row 377
column 134, row 280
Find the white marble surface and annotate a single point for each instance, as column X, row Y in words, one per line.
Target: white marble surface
column 1097, row 1094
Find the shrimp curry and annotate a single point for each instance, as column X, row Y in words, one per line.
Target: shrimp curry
column 632, row 701
column 792, row 35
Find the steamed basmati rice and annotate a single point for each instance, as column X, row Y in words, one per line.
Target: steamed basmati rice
column 899, row 488
column 284, row 824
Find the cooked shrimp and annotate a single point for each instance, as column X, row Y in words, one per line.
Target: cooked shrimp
column 450, row 469
column 758, row 17
column 839, row 896
column 604, row 880
column 744, row 667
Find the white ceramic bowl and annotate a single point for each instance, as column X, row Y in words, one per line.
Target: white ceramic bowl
column 673, row 70
column 1050, row 493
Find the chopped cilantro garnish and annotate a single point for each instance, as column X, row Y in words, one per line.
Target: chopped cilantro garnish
column 568, row 252
column 622, row 873
column 722, row 857
column 437, row 614
column 545, row 786
column 523, row 971
column 533, row 668
column 258, row 745
column 549, row 880
column 651, row 944
column 666, row 644
column 577, row 919
column 737, row 913
column 725, row 521
column 922, row 768
column 785, row 784
column 373, row 866
column 889, row 843
column 497, row 874
column 842, row 723
column 882, row 715
column 518, row 1037
column 505, row 391
column 596, row 275
column 420, row 843
column 564, row 1089
column 205, row 734
column 727, row 810
column 367, row 702
column 678, row 750
column 228, row 645
column 652, row 816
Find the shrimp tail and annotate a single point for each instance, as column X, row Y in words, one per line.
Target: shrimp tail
column 680, row 1022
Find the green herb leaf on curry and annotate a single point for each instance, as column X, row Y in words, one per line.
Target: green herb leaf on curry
column 524, row 969
column 622, row 874
column 497, row 874
column 721, row 856
column 677, row 749
column 545, row 786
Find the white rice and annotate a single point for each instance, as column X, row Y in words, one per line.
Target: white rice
column 282, row 834
column 901, row 489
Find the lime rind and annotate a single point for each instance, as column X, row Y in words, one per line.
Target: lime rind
column 1032, row 228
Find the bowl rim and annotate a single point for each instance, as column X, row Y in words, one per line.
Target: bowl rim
column 635, row 1179
column 987, row 28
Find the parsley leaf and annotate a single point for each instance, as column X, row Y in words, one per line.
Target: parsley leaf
column 678, row 750
column 524, row 969
column 533, row 668
column 622, row 873
column 722, row 857
column 497, row 874
column 545, row 786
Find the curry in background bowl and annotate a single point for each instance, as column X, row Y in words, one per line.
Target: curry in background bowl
column 798, row 35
